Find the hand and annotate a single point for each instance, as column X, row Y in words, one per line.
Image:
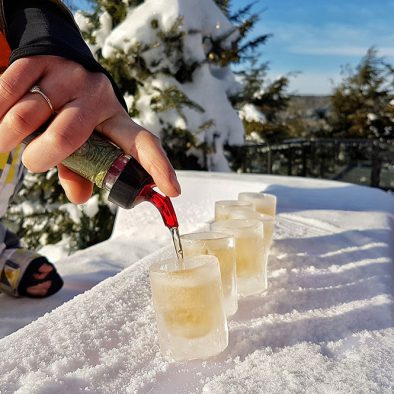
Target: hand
column 83, row 101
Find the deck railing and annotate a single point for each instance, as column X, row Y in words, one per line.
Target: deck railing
column 360, row 161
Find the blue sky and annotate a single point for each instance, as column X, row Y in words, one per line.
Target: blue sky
column 317, row 37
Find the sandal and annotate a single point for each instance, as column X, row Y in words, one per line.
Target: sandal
column 18, row 268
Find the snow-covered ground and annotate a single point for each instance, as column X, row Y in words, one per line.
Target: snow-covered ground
column 326, row 323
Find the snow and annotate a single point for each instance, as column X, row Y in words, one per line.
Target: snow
column 325, row 324
column 27, row 208
column 101, row 34
column 82, row 21
column 372, row 117
column 91, row 207
column 202, row 17
column 73, row 210
column 57, row 251
column 250, row 113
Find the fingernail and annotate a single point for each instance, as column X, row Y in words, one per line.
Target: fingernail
column 174, row 181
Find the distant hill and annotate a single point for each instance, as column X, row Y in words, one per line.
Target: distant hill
column 310, row 105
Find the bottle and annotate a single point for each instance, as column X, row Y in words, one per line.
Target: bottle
column 108, row 167
column 128, row 183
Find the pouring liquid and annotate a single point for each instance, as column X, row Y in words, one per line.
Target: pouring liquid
column 167, row 212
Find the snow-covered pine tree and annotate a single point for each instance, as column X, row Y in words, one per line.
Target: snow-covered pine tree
column 262, row 105
column 41, row 214
column 172, row 62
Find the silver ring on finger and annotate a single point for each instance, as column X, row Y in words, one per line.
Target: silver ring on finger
column 36, row 89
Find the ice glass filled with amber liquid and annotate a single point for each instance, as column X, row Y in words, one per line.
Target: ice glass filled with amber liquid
column 223, row 247
column 249, row 251
column 269, row 227
column 263, row 202
column 224, row 207
column 188, row 302
column 267, row 220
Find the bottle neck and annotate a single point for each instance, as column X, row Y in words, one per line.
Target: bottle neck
column 115, row 170
column 125, row 179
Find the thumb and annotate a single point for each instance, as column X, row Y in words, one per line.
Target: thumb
column 144, row 147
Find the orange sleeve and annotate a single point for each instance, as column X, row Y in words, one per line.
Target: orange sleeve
column 4, row 53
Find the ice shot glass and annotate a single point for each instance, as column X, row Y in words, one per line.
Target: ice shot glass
column 223, row 247
column 249, row 252
column 223, row 207
column 189, row 307
column 269, row 227
column 263, row 202
column 268, row 221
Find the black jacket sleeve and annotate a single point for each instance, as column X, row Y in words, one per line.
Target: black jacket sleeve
column 40, row 27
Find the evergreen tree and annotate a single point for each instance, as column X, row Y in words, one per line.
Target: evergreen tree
column 260, row 102
column 270, row 99
column 362, row 104
column 224, row 5
column 167, row 55
column 41, row 214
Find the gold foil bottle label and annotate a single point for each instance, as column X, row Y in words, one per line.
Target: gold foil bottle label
column 93, row 159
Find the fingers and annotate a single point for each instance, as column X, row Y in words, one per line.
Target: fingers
column 39, row 290
column 43, row 271
column 66, row 84
column 16, row 81
column 66, row 133
column 78, row 190
column 146, row 148
column 26, row 116
column 42, row 288
column 20, row 111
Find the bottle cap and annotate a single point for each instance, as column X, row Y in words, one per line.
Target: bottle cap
column 129, row 184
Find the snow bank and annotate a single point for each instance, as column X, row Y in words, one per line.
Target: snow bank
column 325, row 324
